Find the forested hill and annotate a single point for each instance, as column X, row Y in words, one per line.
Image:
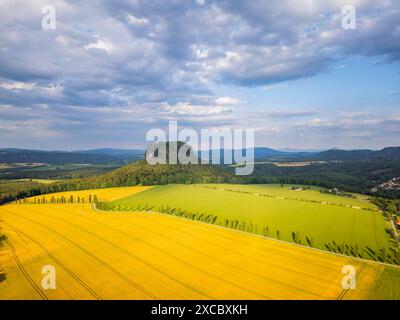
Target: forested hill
column 121, row 156
column 139, row 172
column 335, row 154
column 361, row 176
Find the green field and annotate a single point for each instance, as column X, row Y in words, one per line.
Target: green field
column 387, row 286
column 307, row 217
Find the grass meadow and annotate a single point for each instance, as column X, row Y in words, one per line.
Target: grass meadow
column 307, row 217
column 148, row 255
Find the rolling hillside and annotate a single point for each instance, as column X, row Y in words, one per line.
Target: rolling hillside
column 111, row 255
column 309, row 217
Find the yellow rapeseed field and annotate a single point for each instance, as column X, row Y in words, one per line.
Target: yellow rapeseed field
column 110, row 255
column 107, row 194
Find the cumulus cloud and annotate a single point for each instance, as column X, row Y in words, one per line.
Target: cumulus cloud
column 150, row 59
column 102, row 44
column 227, row 101
column 16, row 85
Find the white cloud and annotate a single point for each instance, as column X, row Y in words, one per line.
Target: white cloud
column 176, row 53
column 101, row 44
column 132, row 20
column 53, row 89
column 185, row 108
column 16, row 85
column 226, row 101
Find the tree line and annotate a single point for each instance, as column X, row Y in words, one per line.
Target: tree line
column 90, row 199
column 384, row 254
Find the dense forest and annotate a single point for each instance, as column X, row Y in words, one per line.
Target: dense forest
column 352, row 175
column 359, row 176
column 138, row 173
column 54, row 172
column 11, row 190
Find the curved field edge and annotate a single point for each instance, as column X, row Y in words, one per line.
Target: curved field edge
column 104, row 194
column 353, row 227
column 376, row 281
column 384, row 282
column 190, row 261
column 387, row 286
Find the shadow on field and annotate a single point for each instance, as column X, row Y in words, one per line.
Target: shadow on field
column 2, row 277
column 371, row 252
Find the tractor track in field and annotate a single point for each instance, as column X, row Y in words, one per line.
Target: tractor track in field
column 344, row 291
column 168, row 254
column 57, row 261
column 25, row 273
column 201, row 225
column 245, row 272
column 213, row 258
column 338, row 204
column 102, row 262
column 131, row 255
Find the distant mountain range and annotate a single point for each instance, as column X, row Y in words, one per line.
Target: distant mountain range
column 127, row 155
column 97, row 156
column 386, row 153
column 110, row 155
column 268, row 154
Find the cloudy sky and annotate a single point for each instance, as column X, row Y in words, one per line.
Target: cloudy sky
column 112, row 70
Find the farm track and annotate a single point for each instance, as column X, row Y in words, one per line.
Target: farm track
column 202, row 226
column 316, row 219
column 190, row 265
column 338, row 204
column 267, row 262
column 343, row 293
column 58, row 262
column 104, row 255
column 102, row 262
column 280, row 289
column 25, row 273
column 199, row 224
column 136, row 257
column 192, row 249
